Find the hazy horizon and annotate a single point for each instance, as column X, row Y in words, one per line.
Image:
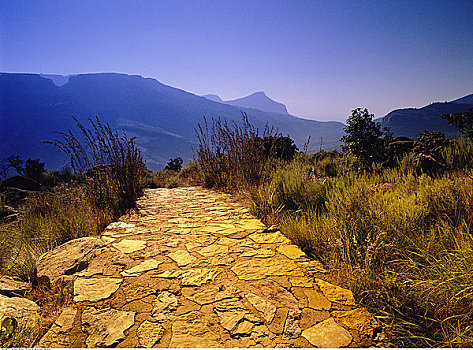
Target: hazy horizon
column 321, row 59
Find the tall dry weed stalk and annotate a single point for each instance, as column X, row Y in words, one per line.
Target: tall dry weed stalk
column 234, row 157
column 111, row 164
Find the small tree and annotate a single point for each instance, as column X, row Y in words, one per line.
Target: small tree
column 34, row 169
column 364, row 138
column 174, row 164
column 463, row 122
column 278, row 146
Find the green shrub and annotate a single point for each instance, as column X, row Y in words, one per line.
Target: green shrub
column 174, row 164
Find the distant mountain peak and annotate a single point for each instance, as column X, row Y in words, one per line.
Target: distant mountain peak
column 259, row 100
column 213, row 97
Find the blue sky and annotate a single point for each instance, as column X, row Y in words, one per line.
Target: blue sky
column 320, row 58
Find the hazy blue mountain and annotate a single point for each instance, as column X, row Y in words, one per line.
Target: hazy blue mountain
column 162, row 118
column 260, row 101
column 411, row 121
column 213, row 97
column 468, row 99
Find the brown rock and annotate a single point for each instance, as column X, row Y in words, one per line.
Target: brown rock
column 309, row 317
column 69, row 258
column 291, row 251
column 146, row 265
column 60, row 334
column 327, row 334
column 269, row 238
column 266, row 309
column 335, row 293
column 199, row 276
column 12, row 287
column 149, row 333
column 192, row 330
column 23, row 310
column 209, row 295
column 317, row 300
column 230, row 312
column 128, row 246
column 164, row 305
column 359, row 319
column 292, row 328
column 261, row 268
column 95, row 289
column 105, row 327
column 182, row 257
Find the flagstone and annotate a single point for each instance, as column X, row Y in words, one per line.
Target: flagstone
column 259, row 253
column 149, row 333
column 230, row 313
column 146, row 265
column 291, row 251
column 317, row 300
column 266, row 308
column 213, row 249
column 129, row 245
column 359, row 319
column 105, row 327
column 251, row 224
column 328, row 334
column 199, row 276
column 182, row 257
column 196, row 269
column 192, row 330
column 261, row 268
column 209, row 295
column 95, row 289
column 269, row 238
column 335, row 293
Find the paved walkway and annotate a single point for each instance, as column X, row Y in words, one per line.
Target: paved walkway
column 194, row 269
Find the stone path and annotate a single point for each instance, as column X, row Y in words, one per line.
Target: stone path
column 194, row 269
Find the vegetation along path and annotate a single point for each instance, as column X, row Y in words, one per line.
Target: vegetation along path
column 192, row 268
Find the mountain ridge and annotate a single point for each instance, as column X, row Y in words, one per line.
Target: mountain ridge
column 410, row 122
column 257, row 100
column 162, row 118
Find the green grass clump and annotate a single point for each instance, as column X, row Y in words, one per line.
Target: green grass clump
column 404, row 248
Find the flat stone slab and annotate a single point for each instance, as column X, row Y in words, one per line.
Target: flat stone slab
column 25, row 311
column 129, row 246
column 182, row 257
column 328, row 334
column 12, row 287
column 105, row 327
column 60, row 333
column 149, row 333
column 335, row 293
column 95, row 289
column 69, row 258
column 147, row 265
column 291, row 251
column 192, row 268
column 262, row 268
column 193, row 331
column 265, row 307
